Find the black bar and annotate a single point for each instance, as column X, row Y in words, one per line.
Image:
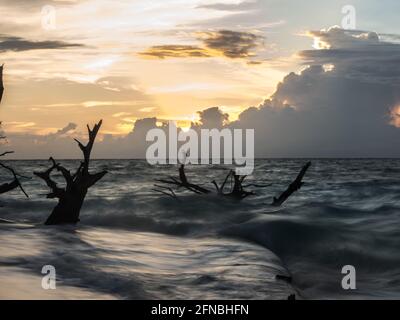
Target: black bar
column 193, row 309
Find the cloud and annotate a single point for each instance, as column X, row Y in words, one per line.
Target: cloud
column 232, row 44
column 37, row 4
column 212, row 118
column 112, row 91
column 350, row 109
column 176, row 51
column 70, row 127
column 9, row 43
column 357, row 54
column 33, row 146
column 347, row 110
column 226, row 43
column 231, row 7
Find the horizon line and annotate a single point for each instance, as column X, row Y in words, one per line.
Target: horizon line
column 258, row 158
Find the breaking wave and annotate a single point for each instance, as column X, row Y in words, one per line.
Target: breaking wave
column 132, row 243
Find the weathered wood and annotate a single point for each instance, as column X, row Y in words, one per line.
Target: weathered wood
column 1, row 82
column 236, row 192
column 71, row 197
column 293, row 187
column 6, row 187
column 183, row 182
column 14, row 184
column 165, row 191
column 220, row 189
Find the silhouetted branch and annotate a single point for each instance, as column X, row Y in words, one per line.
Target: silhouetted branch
column 160, row 190
column 220, row 189
column 16, row 183
column 6, row 187
column 86, row 150
column 65, row 173
column 92, row 179
column 183, row 182
column 257, row 185
column 6, row 153
column 293, row 187
column 56, row 192
column 1, row 82
column 237, row 191
column 71, row 197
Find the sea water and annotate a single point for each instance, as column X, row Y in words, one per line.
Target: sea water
column 133, row 243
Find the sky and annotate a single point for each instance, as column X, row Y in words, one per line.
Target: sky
column 285, row 68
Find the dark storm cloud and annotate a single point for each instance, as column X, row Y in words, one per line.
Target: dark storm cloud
column 8, row 43
column 227, row 43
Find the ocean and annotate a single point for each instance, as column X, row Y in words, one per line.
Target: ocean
column 134, row 243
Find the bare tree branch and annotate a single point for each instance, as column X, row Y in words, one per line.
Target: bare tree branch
column 237, row 190
column 16, row 180
column 56, row 191
column 293, row 187
column 183, row 182
column 1, row 82
column 71, row 197
column 65, row 173
column 160, row 190
column 6, row 153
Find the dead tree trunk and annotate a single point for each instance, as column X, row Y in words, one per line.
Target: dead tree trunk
column 1, row 82
column 71, row 198
column 293, row 187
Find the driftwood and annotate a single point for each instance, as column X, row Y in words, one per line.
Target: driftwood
column 71, row 197
column 6, row 187
column 182, row 182
column 165, row 190
column 293, row 187
column 1, row 82
column 237, row 190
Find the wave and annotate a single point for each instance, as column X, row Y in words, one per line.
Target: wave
column 339, row 218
